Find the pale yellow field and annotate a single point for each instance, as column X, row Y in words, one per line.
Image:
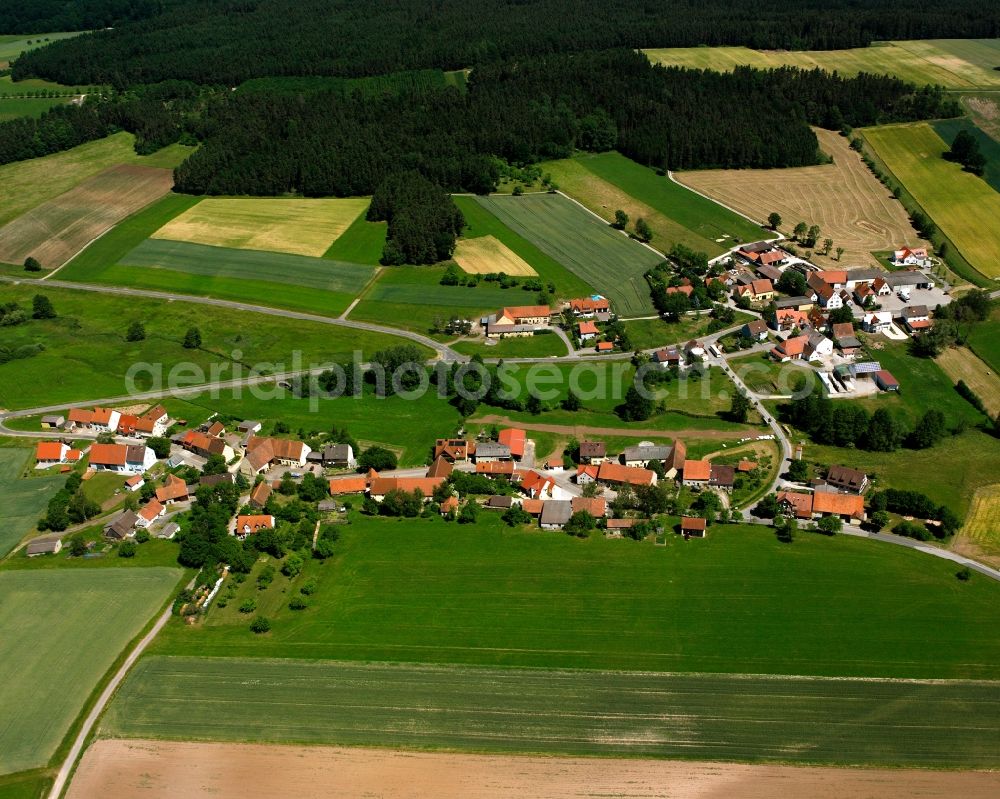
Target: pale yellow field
column 300, row 227
column 487, row 255
column 952, row 63
column 843, row 198
column 981, row 533
column 960, row 363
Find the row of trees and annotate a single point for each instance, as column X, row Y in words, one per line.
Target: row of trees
column 222, row 41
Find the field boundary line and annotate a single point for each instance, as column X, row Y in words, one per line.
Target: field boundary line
column 757, row 222
column 604, row 221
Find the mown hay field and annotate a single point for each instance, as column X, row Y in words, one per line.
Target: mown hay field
column 952, row 63
column 61, row 631
column 488, row 255
column 982, row 526
column 963, row 206
column 960, row 363
column 57, row 230
column 718, row 717
column 296, row 226
column 581, row 242
column 847, row 202
column 606, row 182
column 27, row 184
column 22, row 501
column 484, row 594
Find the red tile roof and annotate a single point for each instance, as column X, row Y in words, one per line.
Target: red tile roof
column 425, row 485
column 595, row 506
column 254, row 523
column 173, row 490
column 108, row 454
column 616, row 473
column 151, row 510
column 852, row 505
column 697, row 470
column 588, row 329
column 693, row 523
column 348, row 485
column 514, row 438
column 49, row 451
column 504, row 468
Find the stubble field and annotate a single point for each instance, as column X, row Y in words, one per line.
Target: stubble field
column 488, row 255
column 960, row 363
column 57, row 230
column 296, row 226
column 844, row 199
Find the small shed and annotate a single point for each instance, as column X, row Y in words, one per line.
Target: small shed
column 693, row 526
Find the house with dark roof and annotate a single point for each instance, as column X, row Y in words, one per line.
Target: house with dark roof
column 644, row 454
column 593, row 452
column 555, row 514
column 755, row 329
column 122, row 526
column 847, row 479
column 722, row 476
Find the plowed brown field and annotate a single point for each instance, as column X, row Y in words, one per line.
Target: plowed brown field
column 57, row 230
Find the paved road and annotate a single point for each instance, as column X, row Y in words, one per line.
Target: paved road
column 62, row 778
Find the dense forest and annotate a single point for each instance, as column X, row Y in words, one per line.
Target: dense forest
column 323, row 143
column 49, row 16
column 228, row 41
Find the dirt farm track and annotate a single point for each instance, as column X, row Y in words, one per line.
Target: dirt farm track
column 153, row 769
column 844, row 199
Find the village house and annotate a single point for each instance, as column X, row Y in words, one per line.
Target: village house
column 588, row 307
column 847, row 479
column 877, row 322
column 515, row 440
column 595, row 506
column 380, row 486
column 121, row 458
column 249, row 427
column 215, row 429
column 910, row 279
column 644, row 454
column 174, row 490
column 260, row 493
column 769, row 272
column 686, row 290
column 593, row 452
column 696, row 474
column 907, row 256
column 757, row 292
column 54, row 453
column 881, row 288
column 849, row 507
column 693, row 526
column 817, row 347
column 227, row 478
column 615, row 527
column 453, row 449
column 586, row 331
column 153, row 422
column 499, row 502
column 539, row 486
column 835, row 278
column 791, row 349
column 450, row 505
column 441, row 467
column 755, row 329
column 204, row 445
column 98, row 419
column 491, row 451
column 555, row 514
column 667, row 357
column 135, row 482
column 149, row 513
column 586, row 473
column 722, row 476
column 795, row 504
column 122, row 526
column 53, row 422
column 674, row 464
column 788, row 319
column 44, row 545
column 605, row 346
column 262, row 453
column 246, row 525
column 616, row 474
column 916, row 318
column 335, row 456
column 830, row 298
column 694, row 351
column 358, row 484
column 845, row 339
column 801, row 303
column 517, row 320
column 496, row 468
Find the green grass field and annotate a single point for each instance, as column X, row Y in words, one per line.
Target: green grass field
column 602, row 257
column 22, row 501
column 530, row 347
column 952, row 63
column 649, row 333
column 361, row 243
column 984, row 340
column 960, row 465
column 962, row 205
column 27, row 184
column 287, row 225
column 605, row 182
column 12, row 45
column 480, row 222
column 14, row 107
column 86, row 345
column 62, row 630
column 718, row 717
column 250, row 265
column 737, row 602
column 947, row 129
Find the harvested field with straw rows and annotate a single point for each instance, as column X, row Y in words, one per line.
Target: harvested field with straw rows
column 488, row 255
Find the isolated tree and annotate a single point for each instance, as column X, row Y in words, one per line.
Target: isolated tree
column 643, row 232
column 812, row 235
column 580, row 524
column 965, row 151
column 799, row 232
column 885, row 434
column 31, row 265
column 41, row 307
column 774, row 220
column 637, row 406
column 126, row 549
column 572, row 402
column 518, row 190
column 793, row 283
column 830, row 525
column 740, row 409
column 798, row 471
column 260, row 625
column 929, row 430
column 879, row 520
column 136, row 332
column 827, row 246
column 621, row 220
column 469, row 513
column 840, row 252
column 377, row 458
column 533, row 405
column 192, row 339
